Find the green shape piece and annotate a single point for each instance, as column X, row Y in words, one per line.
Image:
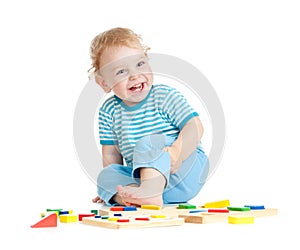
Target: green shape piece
column 54, row 210
column 186, row 206
column 94, row 212
column 242, row 209
column 104, row 217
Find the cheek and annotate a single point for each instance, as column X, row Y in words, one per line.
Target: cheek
column 120, row 87
column 149, row 77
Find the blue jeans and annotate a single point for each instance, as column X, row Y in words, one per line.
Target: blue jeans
column 149, row 151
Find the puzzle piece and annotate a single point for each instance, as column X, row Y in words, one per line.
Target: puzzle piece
column 255, row 207
column 80, row 216
column 152, row 207
column 67, row 218
column 238, row 219
column 49, row 220
column 217, row 204
column 239, row 208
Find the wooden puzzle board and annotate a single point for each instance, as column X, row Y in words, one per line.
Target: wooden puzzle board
column 153, row 222
column 199, row 218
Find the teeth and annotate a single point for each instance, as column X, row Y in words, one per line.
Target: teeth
column 136, row 87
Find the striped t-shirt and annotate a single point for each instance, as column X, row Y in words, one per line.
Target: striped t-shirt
column 164, row 111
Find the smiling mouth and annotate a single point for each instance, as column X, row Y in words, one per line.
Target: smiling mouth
column 138, row 87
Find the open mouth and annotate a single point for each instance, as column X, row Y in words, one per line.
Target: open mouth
column 138, row 87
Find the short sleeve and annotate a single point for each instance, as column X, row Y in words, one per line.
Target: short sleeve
column 177, row 109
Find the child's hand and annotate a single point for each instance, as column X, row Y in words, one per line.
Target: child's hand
column 174, row 157
column 97, row 200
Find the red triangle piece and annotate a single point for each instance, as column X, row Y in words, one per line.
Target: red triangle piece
column 48, row 221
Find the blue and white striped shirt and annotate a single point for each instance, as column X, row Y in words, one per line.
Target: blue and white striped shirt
column 164, row 111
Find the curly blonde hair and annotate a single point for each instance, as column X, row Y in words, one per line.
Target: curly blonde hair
column 115, row 37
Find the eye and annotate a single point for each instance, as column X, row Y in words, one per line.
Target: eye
column 121, row 72
column 141, row 63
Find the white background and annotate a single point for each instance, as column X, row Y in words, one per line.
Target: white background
column 249, row 51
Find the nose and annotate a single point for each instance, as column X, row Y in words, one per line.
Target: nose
column 133, row 77
column 133, row 73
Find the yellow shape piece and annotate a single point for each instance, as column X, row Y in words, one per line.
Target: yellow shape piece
column 158, row 216
column 241, row 219
column 68, row 218
column 153, row 207
column 217, row 204
column 113, row 218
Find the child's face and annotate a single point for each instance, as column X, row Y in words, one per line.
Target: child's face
column 125, row 71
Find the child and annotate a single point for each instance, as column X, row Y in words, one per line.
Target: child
column 149, row 133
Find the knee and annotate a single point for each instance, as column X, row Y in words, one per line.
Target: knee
column 149, row 148
column 106, row 173
column 149, row 142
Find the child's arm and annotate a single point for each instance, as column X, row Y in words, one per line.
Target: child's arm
column 187, row 141
column 111, row 155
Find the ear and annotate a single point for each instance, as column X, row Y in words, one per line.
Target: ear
column 101, row 82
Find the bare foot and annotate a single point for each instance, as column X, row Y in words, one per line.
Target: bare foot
column 140, row 195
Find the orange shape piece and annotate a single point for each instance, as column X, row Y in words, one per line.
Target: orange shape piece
column 47, row 221
column 217, row 210
column 123, row 220
column 142, row 218
column 117, row 208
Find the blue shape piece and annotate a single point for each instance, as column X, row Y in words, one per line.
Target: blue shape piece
column 130, row 208
column 63, row 212
column 117, row 214
column 255, row 207
column 198, row 211
column 98, row 216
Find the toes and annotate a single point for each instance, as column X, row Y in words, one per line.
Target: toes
column 96, row 199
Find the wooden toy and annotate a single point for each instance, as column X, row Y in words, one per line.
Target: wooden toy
column 94, row 211
column 49, row 220
column 217, row 204
column 118, row 208
column 80, row 216
column 198, row 215
column 217, row 210
column 112, row 218
column 238, row 219
column 152, row 207
column 155, row 216
column 255, row 207
column 130, row 208
column 203, row 218
column 158, row 216
column 186, row 206
column 67, row 218
column 65, row 212
column 239, row 208
column 132, row 222
column 56, row 210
